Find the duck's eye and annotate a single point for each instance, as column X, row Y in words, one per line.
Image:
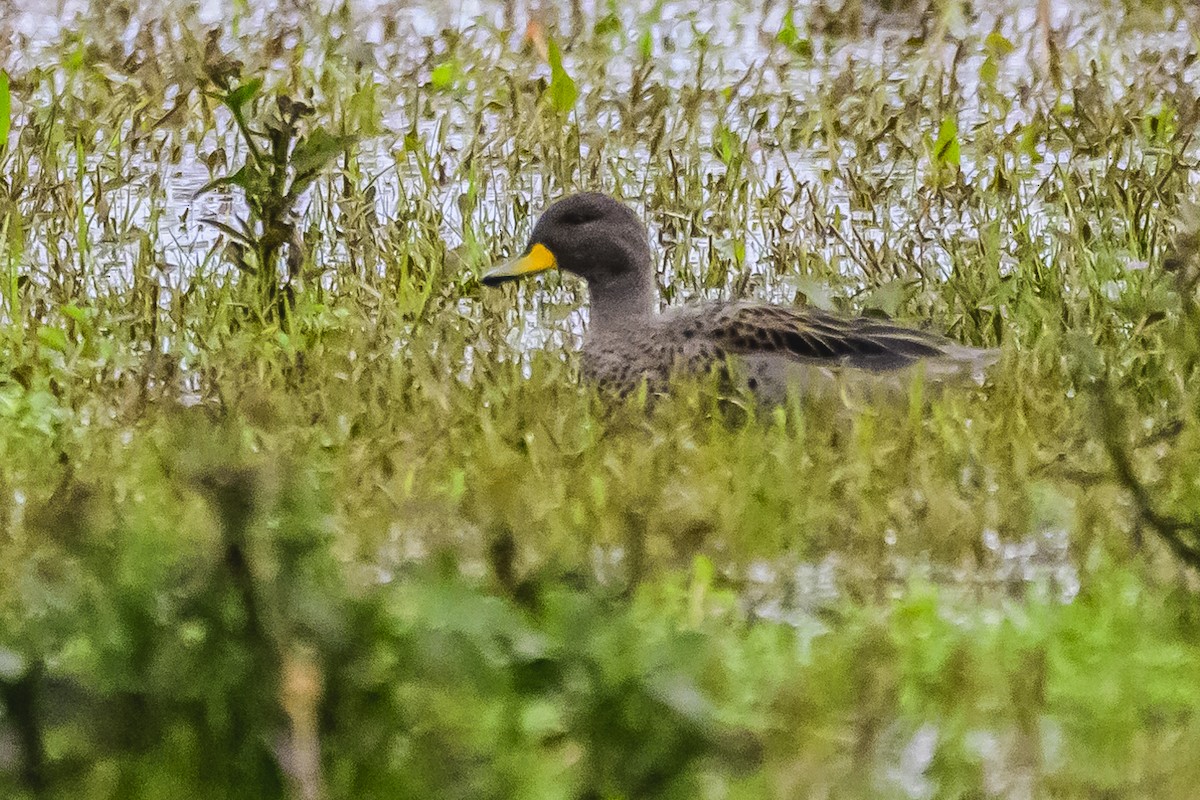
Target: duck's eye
column 578, row 217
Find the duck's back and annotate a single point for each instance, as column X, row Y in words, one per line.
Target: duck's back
column 773, row 346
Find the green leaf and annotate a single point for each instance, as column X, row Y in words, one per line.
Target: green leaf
column 727, row 145
column 787, row 31
column 5, row 110
column 54, row 338
column 563, row 92
column 312, row 155
column 242, row 94
column 229, row 230
column 996, row 44
column 646, row 45
column 996, row 47
column 315, row 151
column 76, row 313
column 412, row 139
column 444, row 75
column 609, row 23
column 790, row 38
column 240, row 178
column 945, row 149
column 989, row 71
column 888, row 296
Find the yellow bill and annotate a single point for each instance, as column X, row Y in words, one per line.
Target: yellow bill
column 537, row 259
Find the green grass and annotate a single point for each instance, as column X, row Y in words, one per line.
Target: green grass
column 358, row 530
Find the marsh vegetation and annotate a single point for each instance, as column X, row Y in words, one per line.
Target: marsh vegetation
column 291, row 506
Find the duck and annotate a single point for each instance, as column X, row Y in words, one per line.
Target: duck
column 771, row 349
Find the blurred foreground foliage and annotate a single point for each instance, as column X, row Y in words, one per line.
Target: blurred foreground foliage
column 189, row 630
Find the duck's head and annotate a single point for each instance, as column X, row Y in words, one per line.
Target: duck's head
column 591, row 235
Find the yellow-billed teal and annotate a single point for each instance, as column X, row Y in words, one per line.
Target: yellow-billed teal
column 773, row 346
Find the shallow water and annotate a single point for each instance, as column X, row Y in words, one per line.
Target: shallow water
column 739, row 40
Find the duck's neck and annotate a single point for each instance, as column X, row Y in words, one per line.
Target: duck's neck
column 616, row 304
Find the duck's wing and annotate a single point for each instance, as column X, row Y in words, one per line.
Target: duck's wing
column 813, row 336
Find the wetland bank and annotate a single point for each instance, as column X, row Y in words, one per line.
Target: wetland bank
column 351, row 526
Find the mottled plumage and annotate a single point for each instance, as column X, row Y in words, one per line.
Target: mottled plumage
column 771, row 347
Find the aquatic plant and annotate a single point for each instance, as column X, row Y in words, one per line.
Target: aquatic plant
column 285, row 155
